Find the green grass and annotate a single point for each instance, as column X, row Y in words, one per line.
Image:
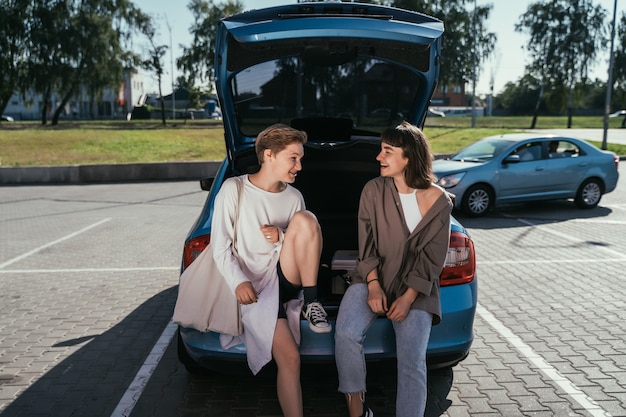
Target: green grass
column 104, row 142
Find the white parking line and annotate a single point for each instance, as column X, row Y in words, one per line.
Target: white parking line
column 135, row 389
column 548, row 370
column 47, row 245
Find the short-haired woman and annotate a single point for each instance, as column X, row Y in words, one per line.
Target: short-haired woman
column 278, row 252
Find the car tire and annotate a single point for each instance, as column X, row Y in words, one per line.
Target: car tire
column 589, row 194
column 477, row 200
column 184, row 358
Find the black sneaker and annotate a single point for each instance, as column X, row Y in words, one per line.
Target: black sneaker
column 367, row 412
column 316, row 315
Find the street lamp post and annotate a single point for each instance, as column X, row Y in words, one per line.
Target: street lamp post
column 172, row 69
column 609, row 84
column 474, row 68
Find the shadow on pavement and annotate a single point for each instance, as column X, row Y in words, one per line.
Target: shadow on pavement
column 539, row 212
column 174, row 392
column 91, row 381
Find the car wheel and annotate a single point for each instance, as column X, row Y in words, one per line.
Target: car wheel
column 476, row 200
column 589, row 194
column 184, row 358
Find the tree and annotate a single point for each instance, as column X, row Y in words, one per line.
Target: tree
column 13, row 40
column 100, row 30
column 197, row 59
column 619, row 66
column 465, row 34
column 565, row 37
column 155, row 61
column 519, row 98
column 71, row 44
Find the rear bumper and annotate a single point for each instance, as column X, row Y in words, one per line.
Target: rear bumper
column 449, row 343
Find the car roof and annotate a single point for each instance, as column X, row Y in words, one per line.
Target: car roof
column 519, row 137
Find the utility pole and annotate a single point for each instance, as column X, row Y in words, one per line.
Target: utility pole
column 474, row 67
column 172, row 69
column 609, row 84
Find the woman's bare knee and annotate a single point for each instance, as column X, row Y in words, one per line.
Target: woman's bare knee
column 305, row 223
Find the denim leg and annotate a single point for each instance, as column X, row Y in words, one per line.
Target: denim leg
column 353, row 320
column 412, row 336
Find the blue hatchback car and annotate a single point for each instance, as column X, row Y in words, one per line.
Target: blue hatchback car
column 342, row 72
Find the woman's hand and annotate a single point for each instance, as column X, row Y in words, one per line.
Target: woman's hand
column 400, row 308
column 376, row 299
column 245, row 293
column 270, row 233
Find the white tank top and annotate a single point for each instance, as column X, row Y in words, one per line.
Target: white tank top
column 412, row 214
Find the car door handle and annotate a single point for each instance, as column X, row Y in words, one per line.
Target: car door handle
column 538, row 168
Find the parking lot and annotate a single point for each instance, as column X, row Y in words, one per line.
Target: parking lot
column 88, row 277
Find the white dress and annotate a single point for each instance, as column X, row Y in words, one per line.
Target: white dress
column 257, row 261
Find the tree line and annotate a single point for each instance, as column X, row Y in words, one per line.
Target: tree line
column 59, row 46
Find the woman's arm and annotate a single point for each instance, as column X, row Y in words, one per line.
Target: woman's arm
column 368, row 255
column 222, row 234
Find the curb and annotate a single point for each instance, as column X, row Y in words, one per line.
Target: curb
column 80, row 174
column 85, row 174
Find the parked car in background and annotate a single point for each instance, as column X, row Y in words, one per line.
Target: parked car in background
column 527, row 167
column 328, row 68
column 6, row 118
column 435, row 113
column 620, row 113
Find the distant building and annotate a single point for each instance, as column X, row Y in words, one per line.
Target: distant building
column 114, row 103
column 449, row 96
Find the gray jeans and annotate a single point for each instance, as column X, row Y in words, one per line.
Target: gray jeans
column 412, row 335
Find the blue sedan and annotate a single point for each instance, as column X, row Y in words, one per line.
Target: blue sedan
column 523, row 167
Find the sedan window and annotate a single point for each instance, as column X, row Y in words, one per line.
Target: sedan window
column 528, row 152
column 482, row 151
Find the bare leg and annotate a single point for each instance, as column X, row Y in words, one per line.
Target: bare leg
column 302, row 247
column 287, row 357
column 355, row 404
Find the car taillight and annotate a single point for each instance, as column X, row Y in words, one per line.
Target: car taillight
column 616, row 160
column 193, row 248
column 460, row 266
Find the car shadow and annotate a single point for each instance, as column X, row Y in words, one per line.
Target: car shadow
column 92, row 380
column 235, row 394
column 541, row 212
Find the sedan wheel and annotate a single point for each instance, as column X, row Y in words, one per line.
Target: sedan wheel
column 476, row 201
column 589, row 194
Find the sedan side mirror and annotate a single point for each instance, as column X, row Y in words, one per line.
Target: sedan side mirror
column 511, row 159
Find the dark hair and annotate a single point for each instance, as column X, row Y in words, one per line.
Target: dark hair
column 276, row 138
column 415, row 147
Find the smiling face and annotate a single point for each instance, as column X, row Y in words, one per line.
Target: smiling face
column 392, row 161
column 286, row 164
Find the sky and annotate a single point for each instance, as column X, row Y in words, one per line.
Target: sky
column 506, row 65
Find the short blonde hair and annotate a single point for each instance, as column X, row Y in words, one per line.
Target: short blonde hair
column 276, row 138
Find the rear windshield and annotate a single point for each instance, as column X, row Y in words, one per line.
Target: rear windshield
column 371, row 92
